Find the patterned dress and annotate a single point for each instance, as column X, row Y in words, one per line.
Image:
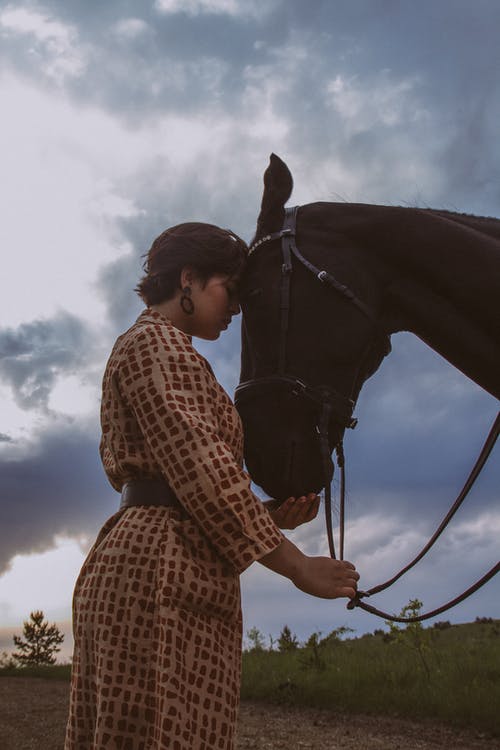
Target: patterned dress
column 156, row 610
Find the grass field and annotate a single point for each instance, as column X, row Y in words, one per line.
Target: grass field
column 450, row 674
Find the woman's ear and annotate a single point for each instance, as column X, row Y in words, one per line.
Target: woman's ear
column 187, row 276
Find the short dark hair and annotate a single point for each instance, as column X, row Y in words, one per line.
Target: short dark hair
column 206, row 248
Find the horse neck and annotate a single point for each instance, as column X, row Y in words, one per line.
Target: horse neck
column 443, row 287
column 433, row 273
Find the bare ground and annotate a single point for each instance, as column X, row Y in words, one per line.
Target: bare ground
column 33, row 716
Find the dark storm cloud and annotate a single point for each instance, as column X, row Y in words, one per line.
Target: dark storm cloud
column 53, row 484
column 367, row 83
column 55, row 487
column 439, row 59
column 174, row 62
column 418, row 389
column 186, row 62
column 33, row 355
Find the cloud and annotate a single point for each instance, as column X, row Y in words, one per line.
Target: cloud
column 137, row 65
column 55, row 49
column 61, row 196
column 322, row 83
column 233, row 8
column 26, row 21
column 34, row 355
column 130, row 28
column 52, row 486
column 421, row 427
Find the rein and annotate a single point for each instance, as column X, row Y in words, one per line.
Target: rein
column 336, row 407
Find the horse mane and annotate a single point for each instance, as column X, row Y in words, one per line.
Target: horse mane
column 486, row 224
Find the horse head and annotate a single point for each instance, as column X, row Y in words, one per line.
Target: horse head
column 306, row 348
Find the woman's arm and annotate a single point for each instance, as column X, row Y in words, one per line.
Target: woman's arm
column 173, row 398
column 318, row 576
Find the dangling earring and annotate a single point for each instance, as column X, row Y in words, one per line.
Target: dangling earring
column 187, row 303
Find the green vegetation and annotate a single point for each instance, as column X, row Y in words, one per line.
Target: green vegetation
column 413, row 635
column 36, row 651
column 447, row 672
column 40, row 642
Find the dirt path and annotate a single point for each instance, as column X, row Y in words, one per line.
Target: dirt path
column 33, row 716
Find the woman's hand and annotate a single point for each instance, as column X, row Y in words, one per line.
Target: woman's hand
column 318, row 576
column 295, row 511
column 326, row 578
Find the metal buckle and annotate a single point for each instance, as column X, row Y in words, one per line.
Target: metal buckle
column 298, row 388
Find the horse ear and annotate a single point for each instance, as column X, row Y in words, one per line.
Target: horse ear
column 278, row 185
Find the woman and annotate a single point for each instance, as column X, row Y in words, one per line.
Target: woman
column 157, row 619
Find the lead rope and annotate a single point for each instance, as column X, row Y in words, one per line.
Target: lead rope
column 326, row 458
column 356, row 601
column 341, row 465
column 328, row 468
column 418, row 618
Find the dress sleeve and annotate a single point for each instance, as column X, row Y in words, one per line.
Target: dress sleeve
column 174, row 399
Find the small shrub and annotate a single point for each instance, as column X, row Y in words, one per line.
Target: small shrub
column 442, row 625
column 287, row 641
column 412, row 635
column 312, row 658
column 40, row 644
column 335, row 636
column 256, row 640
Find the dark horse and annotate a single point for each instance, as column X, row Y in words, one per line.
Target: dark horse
column 434, row 273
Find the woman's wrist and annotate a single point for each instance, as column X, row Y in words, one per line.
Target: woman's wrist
column 286, row 559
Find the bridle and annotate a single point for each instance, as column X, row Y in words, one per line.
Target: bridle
column 333, row 406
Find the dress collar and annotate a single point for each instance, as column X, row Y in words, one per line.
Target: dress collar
column 154, row 316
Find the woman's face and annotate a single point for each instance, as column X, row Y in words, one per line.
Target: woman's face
column 215, row 302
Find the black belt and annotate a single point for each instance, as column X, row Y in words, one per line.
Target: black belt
column 148, row 492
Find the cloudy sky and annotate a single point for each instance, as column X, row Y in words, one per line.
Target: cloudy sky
column 122, row 118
